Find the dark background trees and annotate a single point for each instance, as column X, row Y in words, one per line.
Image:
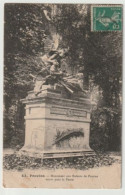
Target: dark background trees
column 100, row 53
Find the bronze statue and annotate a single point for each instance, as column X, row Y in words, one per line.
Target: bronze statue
column 51, row 73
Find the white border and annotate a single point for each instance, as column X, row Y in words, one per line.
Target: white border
column 19, row 191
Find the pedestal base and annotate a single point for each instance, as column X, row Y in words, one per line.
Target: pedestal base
column 56, row 127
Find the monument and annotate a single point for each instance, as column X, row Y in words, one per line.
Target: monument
column 57, row 120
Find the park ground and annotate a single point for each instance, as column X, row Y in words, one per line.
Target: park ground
column 100, row 171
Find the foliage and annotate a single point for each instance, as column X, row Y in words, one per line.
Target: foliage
column 83, row 163
column 105, row 130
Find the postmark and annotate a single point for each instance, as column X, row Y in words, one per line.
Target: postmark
column 106, row 17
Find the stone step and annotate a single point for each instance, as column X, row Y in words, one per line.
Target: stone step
column 60, row 154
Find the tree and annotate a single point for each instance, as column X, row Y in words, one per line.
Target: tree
column 24, row 35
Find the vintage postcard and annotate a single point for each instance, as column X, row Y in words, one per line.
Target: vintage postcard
column 62, row 95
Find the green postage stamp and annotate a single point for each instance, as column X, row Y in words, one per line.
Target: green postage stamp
column 106, row 18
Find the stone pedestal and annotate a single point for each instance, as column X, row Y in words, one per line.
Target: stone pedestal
column 56, row 126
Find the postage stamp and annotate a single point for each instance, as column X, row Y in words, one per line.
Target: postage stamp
column 106, row 18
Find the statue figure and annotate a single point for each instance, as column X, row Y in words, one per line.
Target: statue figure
column 51, row 73
column 40, row 80
column 71, row 83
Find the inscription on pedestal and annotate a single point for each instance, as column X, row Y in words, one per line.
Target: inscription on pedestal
column 68, row 112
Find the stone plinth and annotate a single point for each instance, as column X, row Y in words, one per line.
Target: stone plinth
column 56, row 126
